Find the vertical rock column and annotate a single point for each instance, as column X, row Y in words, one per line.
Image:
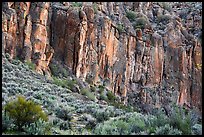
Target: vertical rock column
column 72, row 35
column 182, row 98
column 27, row 47
column 196, row 91
column 58, row 32
column 22, row 10
column 80, row 64
column 9, row 27
column 41, row 53
column 157, row 59
column 138, row 57
column 91, row 44
column 130, row 64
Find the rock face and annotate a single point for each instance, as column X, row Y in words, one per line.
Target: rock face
column 25, row 33
column 100, row 44
column 9, row 29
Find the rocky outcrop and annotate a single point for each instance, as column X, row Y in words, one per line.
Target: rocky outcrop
column 101, row 45
column 25, row 33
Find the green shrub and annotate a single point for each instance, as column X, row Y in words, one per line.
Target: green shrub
column 120, row 28
column 180, row 120
column 93, row 88
column 64, row 125
column 84, row 91
column 167, row 130
column 114, row 101
column 87, row 93
column 111, row 96
column 69, row 84
column 105, row 129
column 7, row 55
column 76, row 4
column 165, row 5
column 91, row 108
column 101, row 88
column 101, row 115
column 58, row 70
column 117, row 105
column 60, row 82
column 91, row 96
column 16, row 61
column 30, row 65
column 197, row 129
column 161, row 120
column 164, row 18
column 7, row 122
column 40, row 127
column 24, row 112
column 91, row 121
column 140, row 23
column 103, row 96
column 131, row 15
column 113, row 112
column 123, row 125
column 136, row 123
column 124, row 107
column 95, row 7
column 90, row 79
column 54, row 69
column 64, row 113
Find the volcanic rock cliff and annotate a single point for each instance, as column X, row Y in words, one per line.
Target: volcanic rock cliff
column 145, row 52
